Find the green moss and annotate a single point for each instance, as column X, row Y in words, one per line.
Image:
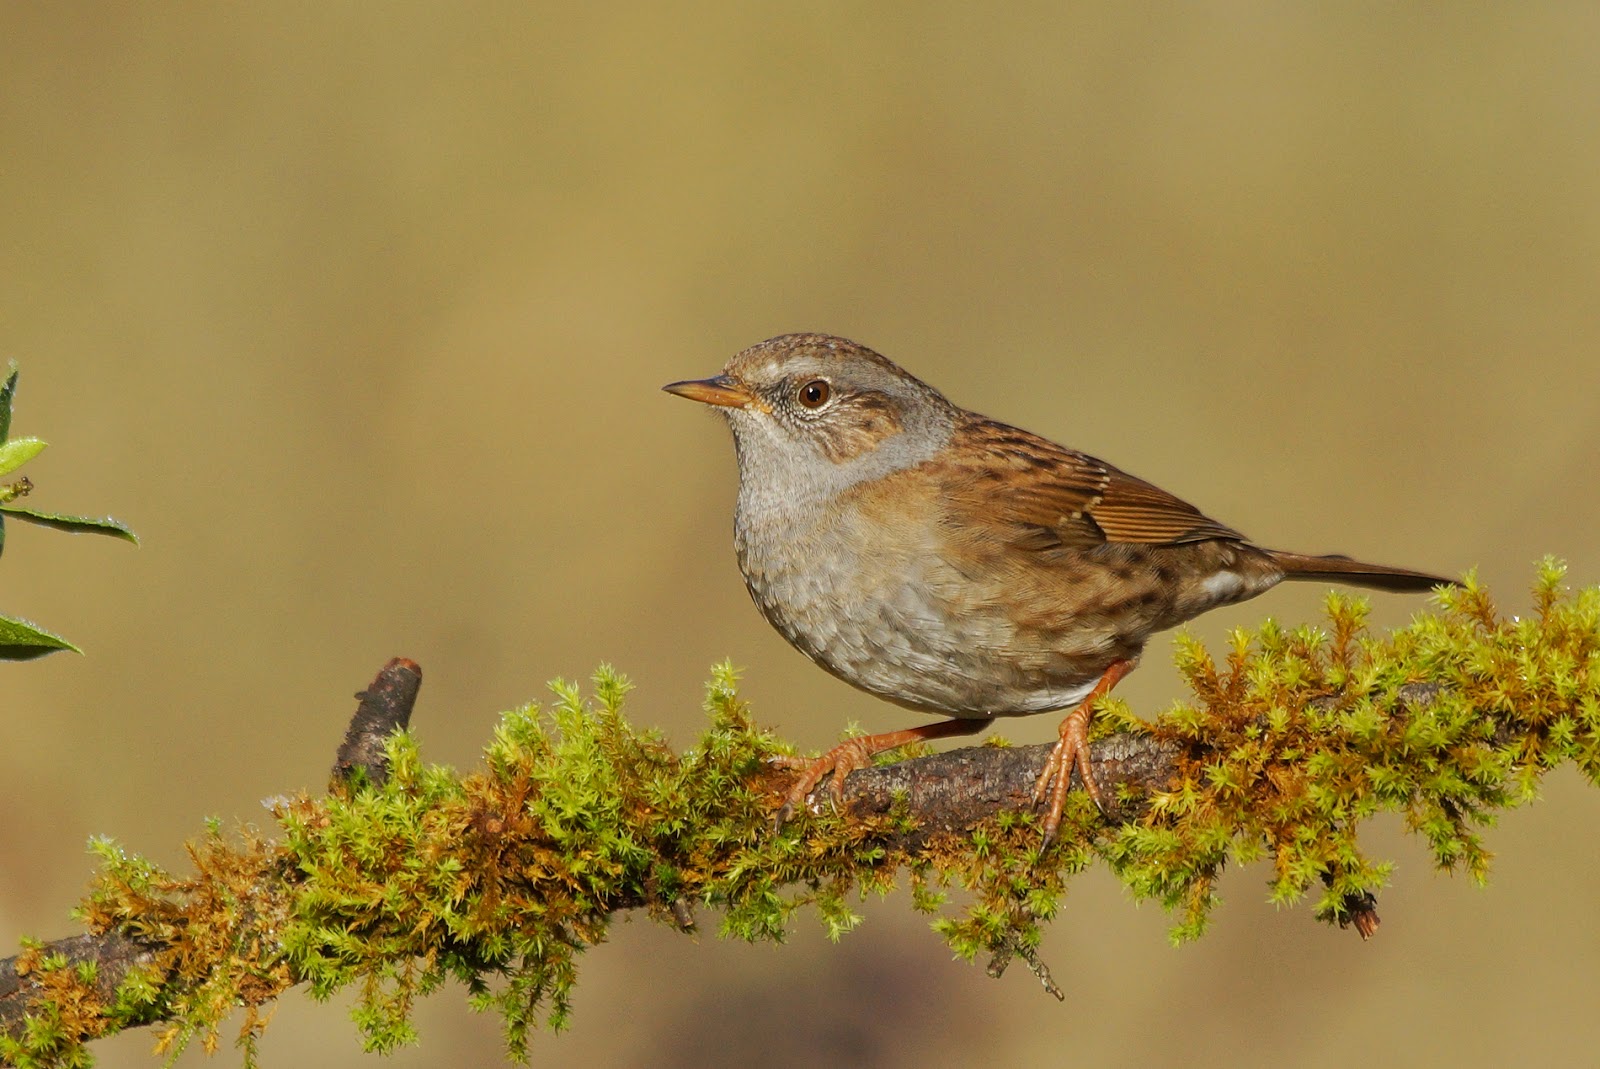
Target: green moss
column 501, row 878
column 1303, row 734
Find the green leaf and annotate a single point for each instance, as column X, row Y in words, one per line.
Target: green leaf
column 17, row 452
column 107, row 525
column 7, row 392
column 22, row 641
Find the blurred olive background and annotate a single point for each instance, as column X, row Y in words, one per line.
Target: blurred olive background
column 358, row 313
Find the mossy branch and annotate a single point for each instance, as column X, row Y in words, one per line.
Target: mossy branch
column 406, row 875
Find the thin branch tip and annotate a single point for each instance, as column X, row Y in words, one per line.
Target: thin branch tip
column 385, row 709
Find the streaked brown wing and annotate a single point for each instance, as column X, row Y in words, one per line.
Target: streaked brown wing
column 1057, row 497
column 1133, row 510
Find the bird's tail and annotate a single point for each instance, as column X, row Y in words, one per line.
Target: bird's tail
column 1339, row 569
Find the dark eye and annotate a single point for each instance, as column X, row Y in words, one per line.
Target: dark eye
column 814, row 394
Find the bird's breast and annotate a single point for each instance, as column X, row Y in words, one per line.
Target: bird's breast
column 878, row 604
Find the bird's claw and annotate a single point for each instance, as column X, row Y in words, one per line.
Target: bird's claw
column 1071, row 753
column 842, row 760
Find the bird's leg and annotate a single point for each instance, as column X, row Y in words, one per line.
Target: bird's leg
column 856, row 753
column 1072, row 751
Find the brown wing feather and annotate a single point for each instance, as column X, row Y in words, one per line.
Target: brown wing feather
column 1133, row 510
column 1058, row 497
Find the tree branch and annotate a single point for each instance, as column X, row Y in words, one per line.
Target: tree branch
column 942, row 794
column 112, row 954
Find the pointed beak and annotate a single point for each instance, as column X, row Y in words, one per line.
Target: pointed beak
column 722, row 390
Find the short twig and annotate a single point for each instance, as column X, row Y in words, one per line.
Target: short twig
column 385, row 708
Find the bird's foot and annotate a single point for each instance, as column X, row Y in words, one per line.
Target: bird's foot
column 842, row 760
column 1070, row 752
column 857, row 753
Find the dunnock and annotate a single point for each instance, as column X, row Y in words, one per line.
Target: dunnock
column 950, row 563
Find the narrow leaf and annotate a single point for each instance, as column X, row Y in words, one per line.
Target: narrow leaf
column 17, row 452
column 7, row 392
column 22, row 641
column 107, row 525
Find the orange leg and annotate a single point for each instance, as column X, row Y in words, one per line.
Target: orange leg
column 1072, row 752
column 852, row 754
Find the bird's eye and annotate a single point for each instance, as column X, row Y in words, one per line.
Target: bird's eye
column 815, row 393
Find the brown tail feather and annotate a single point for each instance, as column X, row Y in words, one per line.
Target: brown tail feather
column 1339, row 569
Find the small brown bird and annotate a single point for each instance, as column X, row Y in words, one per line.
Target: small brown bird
column 950, row 563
